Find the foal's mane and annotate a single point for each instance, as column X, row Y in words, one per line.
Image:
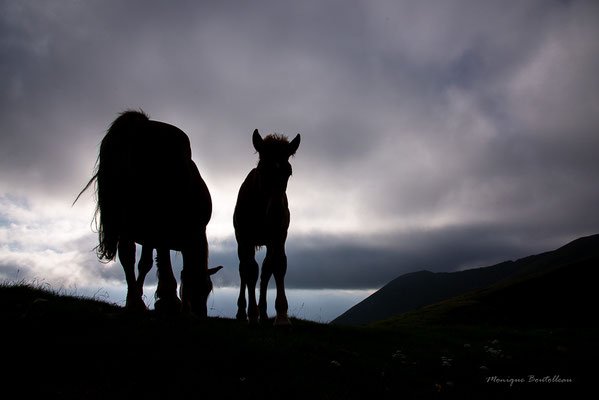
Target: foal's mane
column 276, row 138
column 277, row 142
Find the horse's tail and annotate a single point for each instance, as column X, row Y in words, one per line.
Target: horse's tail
column 108, row 180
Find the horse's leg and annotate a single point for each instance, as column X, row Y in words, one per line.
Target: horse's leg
column 126, row 252
column 195, row 282
column 166, row 292
column 279, row 262
column 241, row 301
column 248, row 272
column 144, row 266
column 265, row 274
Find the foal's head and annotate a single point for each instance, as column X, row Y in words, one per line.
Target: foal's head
column 275, row 151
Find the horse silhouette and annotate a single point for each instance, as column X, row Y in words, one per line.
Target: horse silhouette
column 261, row 218
column 149, row 191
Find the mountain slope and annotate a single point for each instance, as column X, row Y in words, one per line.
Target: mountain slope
column 419, row 289
column 559, row 297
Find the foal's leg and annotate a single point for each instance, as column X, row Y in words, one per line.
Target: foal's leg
column 279, row 261
column 248, row 272
column 144, row 266
column 126, row 252
column 166, row 293
column 265, row 274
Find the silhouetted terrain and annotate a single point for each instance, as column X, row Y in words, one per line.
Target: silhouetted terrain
column 564, row 296
column 419, row 289
column 71, row 348
column 538, row 328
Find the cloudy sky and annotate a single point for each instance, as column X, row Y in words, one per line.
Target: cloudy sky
column 436, row 135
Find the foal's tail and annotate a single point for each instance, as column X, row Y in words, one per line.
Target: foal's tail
column 108, row 181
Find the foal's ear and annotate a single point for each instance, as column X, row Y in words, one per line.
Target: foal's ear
column 257, row 140
column 294, row 144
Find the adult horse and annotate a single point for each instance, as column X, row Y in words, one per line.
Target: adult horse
column 149, row 191
column 261, row 218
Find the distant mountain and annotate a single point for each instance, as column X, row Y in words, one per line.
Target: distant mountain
column 415, row 290
column 559, row 297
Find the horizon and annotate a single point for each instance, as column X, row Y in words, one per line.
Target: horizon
column 306, row 304
column 438, row 136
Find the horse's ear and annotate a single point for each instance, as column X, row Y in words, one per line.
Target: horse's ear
column 294, row 144
column 212, row 271
column 257, row 140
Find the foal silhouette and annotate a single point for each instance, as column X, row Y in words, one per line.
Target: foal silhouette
column 261, row 218
column 149, row 191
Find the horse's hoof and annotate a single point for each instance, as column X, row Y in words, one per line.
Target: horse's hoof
column 135, row 304
column 169, row 306
column 282, row 321
column 253, row 315
column 241, row 316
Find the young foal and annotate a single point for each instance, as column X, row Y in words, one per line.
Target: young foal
column 149, row 191
column 261, row 218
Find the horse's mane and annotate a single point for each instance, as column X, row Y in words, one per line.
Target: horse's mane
column 105, row 215
column 126, row 116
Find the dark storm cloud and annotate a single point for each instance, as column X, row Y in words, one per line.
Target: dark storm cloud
column 443, row 134
column 320, row 261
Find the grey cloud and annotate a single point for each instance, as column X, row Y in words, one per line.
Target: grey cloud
column 11, row 272
column 479, row 114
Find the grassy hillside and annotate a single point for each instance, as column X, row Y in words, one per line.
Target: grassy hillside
column 65, row 347
column 412, row 291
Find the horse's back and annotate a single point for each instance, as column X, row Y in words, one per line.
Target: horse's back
column 163, row 198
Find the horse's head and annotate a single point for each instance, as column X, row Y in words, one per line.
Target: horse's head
column 196, row 300
column 208, row 288
column 275, row 151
